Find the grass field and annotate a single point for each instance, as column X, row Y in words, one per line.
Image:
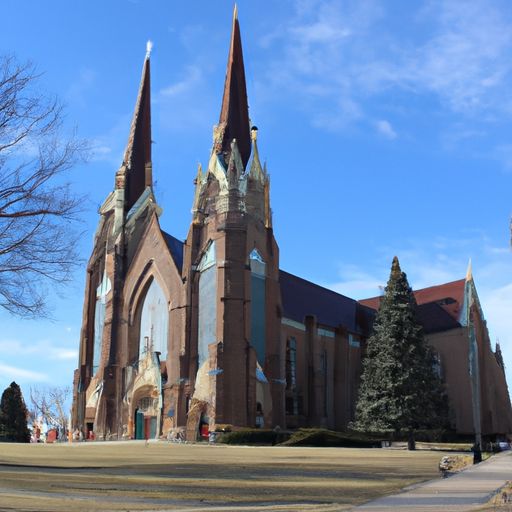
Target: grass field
column 161, row 476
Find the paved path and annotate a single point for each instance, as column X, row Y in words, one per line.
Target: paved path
column 467, row 490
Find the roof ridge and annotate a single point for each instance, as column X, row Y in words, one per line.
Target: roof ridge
column 318, row 285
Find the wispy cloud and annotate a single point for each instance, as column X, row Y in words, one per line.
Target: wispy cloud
column 456, row 53
column 192, row 76
column 13, row 372
column 42, row 349
column 186, row 100
column 467, row 59
column 65, row 354
column 385, row 129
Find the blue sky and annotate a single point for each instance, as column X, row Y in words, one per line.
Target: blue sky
column 386, row 127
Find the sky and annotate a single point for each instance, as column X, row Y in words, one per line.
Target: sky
column 385, row 125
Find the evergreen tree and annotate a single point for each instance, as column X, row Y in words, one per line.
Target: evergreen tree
column 400, row 390
column 13, row 416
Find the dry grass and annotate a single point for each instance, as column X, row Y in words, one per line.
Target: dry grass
column 501, row 501
column 132, row 476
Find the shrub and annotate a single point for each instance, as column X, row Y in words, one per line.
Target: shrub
column 254, row 436
column 324, row 437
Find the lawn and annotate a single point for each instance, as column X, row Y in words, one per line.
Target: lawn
column 161, row 476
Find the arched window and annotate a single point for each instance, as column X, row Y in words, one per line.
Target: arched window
column 258, row 275
column 207, row 315
column 99, row 319
column 154, row 322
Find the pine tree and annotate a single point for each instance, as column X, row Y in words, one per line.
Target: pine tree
column 13, row 416
column 400, row 390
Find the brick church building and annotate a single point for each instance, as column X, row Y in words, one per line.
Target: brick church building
column 210, row 331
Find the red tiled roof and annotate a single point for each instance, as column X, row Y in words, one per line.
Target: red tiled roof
column 438, row 294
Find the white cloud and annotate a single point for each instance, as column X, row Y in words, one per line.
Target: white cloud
column 12, row 372
column 455, row 52
column 468, row 56
column 100, row 151
column 192, row 77
column 385, row 129
column 42, row 349
column 64, row 354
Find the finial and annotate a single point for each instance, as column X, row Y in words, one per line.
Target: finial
column 469, row 272
column 254, row 132
column 235, row 12
column 149, row 47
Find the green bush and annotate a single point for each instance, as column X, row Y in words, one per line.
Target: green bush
column 324, row 437
column 437, row 436
column 254, row 436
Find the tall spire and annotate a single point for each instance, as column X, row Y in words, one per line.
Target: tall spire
column 469, row 271
column 137, row 156
column 234, row 114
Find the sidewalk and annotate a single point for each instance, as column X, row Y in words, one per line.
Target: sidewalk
column 468, row 490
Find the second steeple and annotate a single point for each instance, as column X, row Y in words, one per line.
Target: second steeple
column 234, row 114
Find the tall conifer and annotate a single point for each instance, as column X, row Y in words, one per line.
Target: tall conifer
column 400, row 389
column 13, row 416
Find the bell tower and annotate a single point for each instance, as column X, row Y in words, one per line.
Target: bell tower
column 97, row 383
column 232, row 259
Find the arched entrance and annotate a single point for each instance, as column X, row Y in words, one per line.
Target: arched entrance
column 145, row 418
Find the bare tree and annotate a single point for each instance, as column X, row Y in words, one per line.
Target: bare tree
column 37, row 208
column 51, row 405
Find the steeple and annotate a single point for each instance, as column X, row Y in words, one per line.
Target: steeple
column 234, row 114
column 469, row 271
column 137, row 157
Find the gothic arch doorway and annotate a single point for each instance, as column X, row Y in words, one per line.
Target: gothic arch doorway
column 146, row 417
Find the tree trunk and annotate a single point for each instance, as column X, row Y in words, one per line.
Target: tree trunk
column 411, row 443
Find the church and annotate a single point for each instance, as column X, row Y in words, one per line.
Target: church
column 209, row 332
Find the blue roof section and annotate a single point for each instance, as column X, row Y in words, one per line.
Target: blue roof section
column 176, row 248
column 302, row 298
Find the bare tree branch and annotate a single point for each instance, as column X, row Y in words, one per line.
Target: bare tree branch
column 38, row 210
column 51, row 405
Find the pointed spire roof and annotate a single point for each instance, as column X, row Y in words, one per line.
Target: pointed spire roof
column 469, row 271
column 137, row 156
column 234, row 113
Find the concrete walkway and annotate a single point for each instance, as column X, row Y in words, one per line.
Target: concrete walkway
column 467, row 490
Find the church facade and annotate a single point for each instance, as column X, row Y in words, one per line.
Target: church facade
column 210, row 331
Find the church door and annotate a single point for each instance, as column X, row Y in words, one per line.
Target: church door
column 139, row 424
